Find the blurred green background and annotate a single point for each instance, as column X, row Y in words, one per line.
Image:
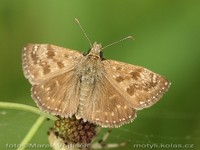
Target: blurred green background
column 167, row 41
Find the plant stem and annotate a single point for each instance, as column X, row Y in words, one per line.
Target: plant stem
column 31, row 132
column 18, row 106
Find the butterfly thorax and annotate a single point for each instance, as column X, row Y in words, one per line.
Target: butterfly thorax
column 91, row 65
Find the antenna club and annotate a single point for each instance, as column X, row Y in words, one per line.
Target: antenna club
column 77, row 20
column 130, row 37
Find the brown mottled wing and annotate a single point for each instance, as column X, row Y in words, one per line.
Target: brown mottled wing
column 58, row 95
column 139, row 86
column 43, row 61
column 106, row 107
column 51, row 71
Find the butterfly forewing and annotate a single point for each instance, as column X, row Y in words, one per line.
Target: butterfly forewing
column 106, row 106
column 140, row 86
column 43, row 61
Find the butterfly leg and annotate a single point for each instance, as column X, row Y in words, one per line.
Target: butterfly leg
column 101, row 144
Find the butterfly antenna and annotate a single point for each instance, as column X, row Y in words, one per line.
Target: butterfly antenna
column 83, row 31
column 128, row 37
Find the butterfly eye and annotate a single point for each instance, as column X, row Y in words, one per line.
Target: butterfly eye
column 101, row 56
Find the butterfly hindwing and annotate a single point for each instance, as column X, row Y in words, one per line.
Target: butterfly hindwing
column 59, row 95
column 106, row 107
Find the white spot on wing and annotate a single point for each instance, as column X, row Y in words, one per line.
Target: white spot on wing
column 114, row 76
column 57, row 83
column 114, row 67
column 118, row 106
column 141, row 102
column 47, row 89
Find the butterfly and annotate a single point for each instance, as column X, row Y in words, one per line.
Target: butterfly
column 108, row 93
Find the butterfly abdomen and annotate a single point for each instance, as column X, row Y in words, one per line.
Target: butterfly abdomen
column 88, row 76
column 84, row 93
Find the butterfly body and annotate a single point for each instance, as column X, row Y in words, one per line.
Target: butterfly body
column 105, row 92
column 90, row 72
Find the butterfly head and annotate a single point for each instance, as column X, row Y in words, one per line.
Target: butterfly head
column 95, row 50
